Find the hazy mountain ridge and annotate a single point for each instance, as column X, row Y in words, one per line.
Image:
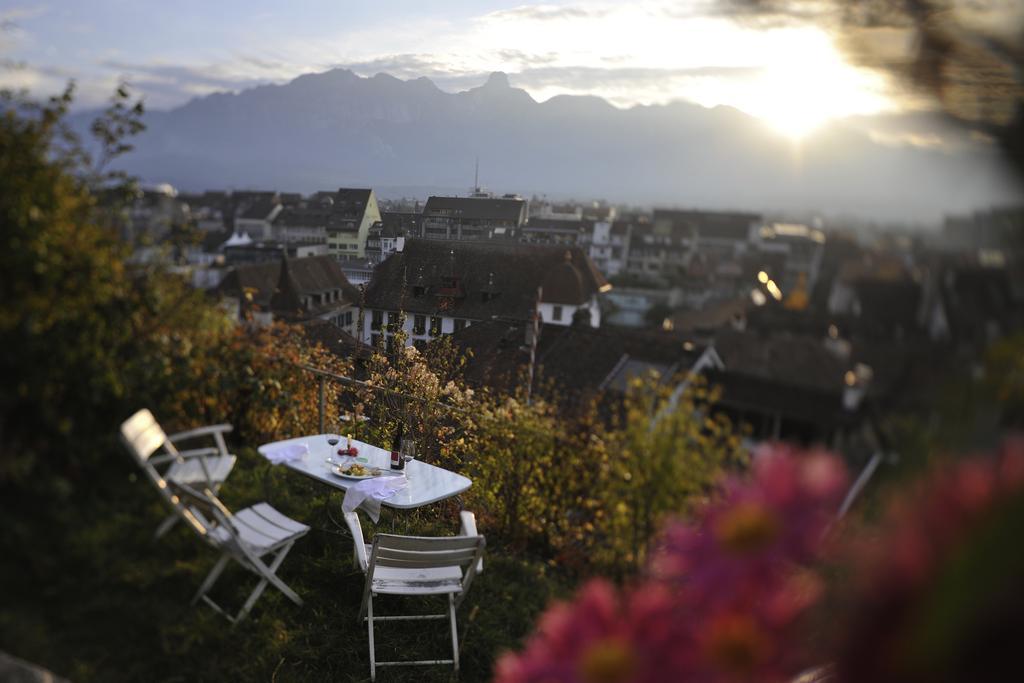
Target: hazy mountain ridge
column 336, row 128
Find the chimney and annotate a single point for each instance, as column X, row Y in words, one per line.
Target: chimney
column 532, row 331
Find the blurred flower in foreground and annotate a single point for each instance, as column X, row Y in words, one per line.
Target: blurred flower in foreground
column 723, row 597
column 937, row 593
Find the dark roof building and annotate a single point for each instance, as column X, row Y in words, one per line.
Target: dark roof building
column 291, row 289
column 478, row 281
column 470, row 218
column 576, row 361
column 401, row 223
column 705, row 225
column 786, row 386
column 455, row 284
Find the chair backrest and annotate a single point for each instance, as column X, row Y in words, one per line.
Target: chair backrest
column 358, row 544
column 142, row 435
column 419, row 552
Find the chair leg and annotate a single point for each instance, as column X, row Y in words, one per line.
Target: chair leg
column 455, row 632
column 266, row 579
column 277, row 582
column 165, row 526
column 369, row 621
column 212, row 577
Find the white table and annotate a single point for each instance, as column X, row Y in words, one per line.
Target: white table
column 427, row 483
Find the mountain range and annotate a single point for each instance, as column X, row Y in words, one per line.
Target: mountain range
column 335, row 129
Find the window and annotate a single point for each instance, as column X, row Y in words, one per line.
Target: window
column 420, row 344
column 435, row 326
column 378, row 320
column 419, row 324
column 390, row 345
column 375, row 340
column 459, row 324
column 556, row 313
column 392, row 322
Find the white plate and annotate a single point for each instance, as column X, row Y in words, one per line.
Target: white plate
column 341, row 473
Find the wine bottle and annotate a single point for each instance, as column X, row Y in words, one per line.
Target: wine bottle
column 396, row 450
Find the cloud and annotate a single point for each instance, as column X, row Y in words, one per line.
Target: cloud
column 546, row 13
column 166, row 85
column 14, row 15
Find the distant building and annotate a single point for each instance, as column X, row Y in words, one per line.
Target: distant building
column 995, row 229
column 389, row 235
column 660, row 247
column 473, row 218
column 570, row 231
column 801, row 247
column 359, row 271
column 209, row 210
column 255, row 214
column 239, row 249
column 302, row 224
column 352, row 212
column 609, row 246
column 153, row 213
column 443, row 286
column 293, row 290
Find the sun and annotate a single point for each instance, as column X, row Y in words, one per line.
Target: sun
column 804, row 82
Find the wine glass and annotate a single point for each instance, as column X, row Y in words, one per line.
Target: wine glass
column 408, row 453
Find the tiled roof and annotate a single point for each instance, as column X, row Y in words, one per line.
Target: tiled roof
column 512, row 271
column 400, row 223
column 337, row 341
column 793, row 360
column 294, row 217
column 304, row 276
column 258, row 209
column 577, row 359
column 481, row 208
column 350, row 203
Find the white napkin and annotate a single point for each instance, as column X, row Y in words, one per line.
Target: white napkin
column 369, row 493
column 287, row 452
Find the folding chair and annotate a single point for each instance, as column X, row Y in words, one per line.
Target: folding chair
column 142, row 436
column 247, row 537
column 415, row 565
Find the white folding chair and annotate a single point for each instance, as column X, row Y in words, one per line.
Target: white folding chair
column 416, row 565
column 246, row 537
column 210, row 466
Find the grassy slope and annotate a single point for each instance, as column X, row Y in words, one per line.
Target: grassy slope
column 113, row 605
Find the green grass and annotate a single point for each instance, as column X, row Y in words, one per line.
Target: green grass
column 100, row 600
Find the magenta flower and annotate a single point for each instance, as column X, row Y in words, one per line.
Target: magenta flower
column 722, row 597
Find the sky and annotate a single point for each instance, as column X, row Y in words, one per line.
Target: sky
column 792, row 76
column 779, row 68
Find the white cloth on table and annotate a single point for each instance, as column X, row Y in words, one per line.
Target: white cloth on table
column 369, row 493
column 287, row 452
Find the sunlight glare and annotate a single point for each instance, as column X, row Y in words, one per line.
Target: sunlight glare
column 806, row 82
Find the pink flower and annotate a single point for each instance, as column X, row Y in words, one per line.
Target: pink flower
column 722, row 596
